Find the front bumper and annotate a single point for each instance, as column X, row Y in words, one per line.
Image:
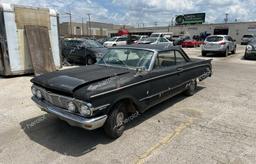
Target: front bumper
column 71, row 119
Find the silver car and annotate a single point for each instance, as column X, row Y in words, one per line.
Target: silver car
column 219, row 44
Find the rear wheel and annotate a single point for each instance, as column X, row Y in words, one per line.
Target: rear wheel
column 226, row 53
column 234, row 51
column 191, row 88
column 204, row 53
column 114, row 126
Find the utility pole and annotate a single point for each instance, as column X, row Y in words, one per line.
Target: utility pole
column 89, row 16
column 83, row 26
column 155, row 24
column 70, row 23
column 226, row 18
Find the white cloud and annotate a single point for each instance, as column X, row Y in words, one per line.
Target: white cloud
column 148, row 11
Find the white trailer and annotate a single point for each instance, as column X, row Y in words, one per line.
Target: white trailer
column 21, row 54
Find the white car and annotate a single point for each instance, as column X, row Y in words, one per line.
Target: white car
column 116, row 41
column 155, row 40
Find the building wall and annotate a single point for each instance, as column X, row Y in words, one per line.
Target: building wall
column 235, row 30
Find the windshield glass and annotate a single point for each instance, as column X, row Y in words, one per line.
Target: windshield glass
column 93, row 44
column 128, row 58
column 154, row 35
column 152, row 39
column 72, row 43
column 112, row 39
column 247, row 36
column 214, row 39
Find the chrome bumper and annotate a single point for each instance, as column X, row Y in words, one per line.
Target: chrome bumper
column 71, row 119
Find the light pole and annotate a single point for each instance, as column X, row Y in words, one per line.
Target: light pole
column 89, row 16
column 70, row 22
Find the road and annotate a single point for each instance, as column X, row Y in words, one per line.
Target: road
column 216, row 125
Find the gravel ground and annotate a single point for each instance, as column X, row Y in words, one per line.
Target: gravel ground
column 216, row 125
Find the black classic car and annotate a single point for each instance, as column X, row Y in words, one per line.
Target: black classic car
column 125, row 81
column 250, row 51
column 82, row 51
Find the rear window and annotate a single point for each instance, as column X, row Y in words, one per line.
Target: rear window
column 214, row 39
column 247, row 36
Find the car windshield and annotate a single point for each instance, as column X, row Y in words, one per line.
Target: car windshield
column 214, row 39
column 127, row 58
column 152, row 39
column 72, row 43
column 154, row 35
column 247, row 36
column 93, row 44
column 112, row 39
column 144, row 39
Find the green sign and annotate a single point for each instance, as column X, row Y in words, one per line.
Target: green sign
column 197, row 18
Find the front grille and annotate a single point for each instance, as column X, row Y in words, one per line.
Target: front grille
column 55, row 99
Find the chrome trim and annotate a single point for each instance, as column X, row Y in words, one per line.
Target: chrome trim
column 164, row 91
column 153, row 78
column 71, row 119
column 93, row 109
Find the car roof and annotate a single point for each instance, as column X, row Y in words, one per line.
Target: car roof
column 152, row 47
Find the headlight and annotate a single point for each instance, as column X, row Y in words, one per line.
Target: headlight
column 33, row 90
column 85, row 110
column 249, row 47
column 39, row 94
column 71, row 107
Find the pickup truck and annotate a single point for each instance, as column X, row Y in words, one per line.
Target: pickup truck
column 126, row 80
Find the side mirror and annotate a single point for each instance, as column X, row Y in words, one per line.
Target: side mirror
column 140, row 71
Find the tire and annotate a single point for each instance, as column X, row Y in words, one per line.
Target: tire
column 89, row 61
column 204, row 53
column 234, row 51
column 192, row 88
column 114, row 126
column 114, row 45
column 225, row 54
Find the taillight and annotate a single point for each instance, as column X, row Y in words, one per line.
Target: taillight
column 222, row 43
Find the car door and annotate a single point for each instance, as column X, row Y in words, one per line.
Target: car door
column 121, row 41
column 164, row 77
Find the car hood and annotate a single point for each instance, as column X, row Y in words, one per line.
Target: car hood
column 67, row 81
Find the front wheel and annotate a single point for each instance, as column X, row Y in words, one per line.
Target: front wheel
column 114, row 126
column 89, row 61
column 204, row 53
column 234, row 51
column 191, row 88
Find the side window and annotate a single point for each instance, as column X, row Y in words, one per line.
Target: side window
column 163, row 40
column 122, row 39
column 168, row 59
column 179, row 58
column 165, row 59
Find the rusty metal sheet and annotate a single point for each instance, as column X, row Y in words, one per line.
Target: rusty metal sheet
column 31, row 16
column 40, row 49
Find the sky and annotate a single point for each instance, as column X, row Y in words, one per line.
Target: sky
column 147, row 12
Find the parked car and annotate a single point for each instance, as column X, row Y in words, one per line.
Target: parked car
column 125, row 81
column 191, row 43
column 250, row 51
column 220, row 44
column 180, row 39
column 155, row 40
column 247, row 38
column 116, row 41
column 141, row 38
column 102, row 40
column 82, row 51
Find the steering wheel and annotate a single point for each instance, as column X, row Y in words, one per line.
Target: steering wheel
column 118, row 60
